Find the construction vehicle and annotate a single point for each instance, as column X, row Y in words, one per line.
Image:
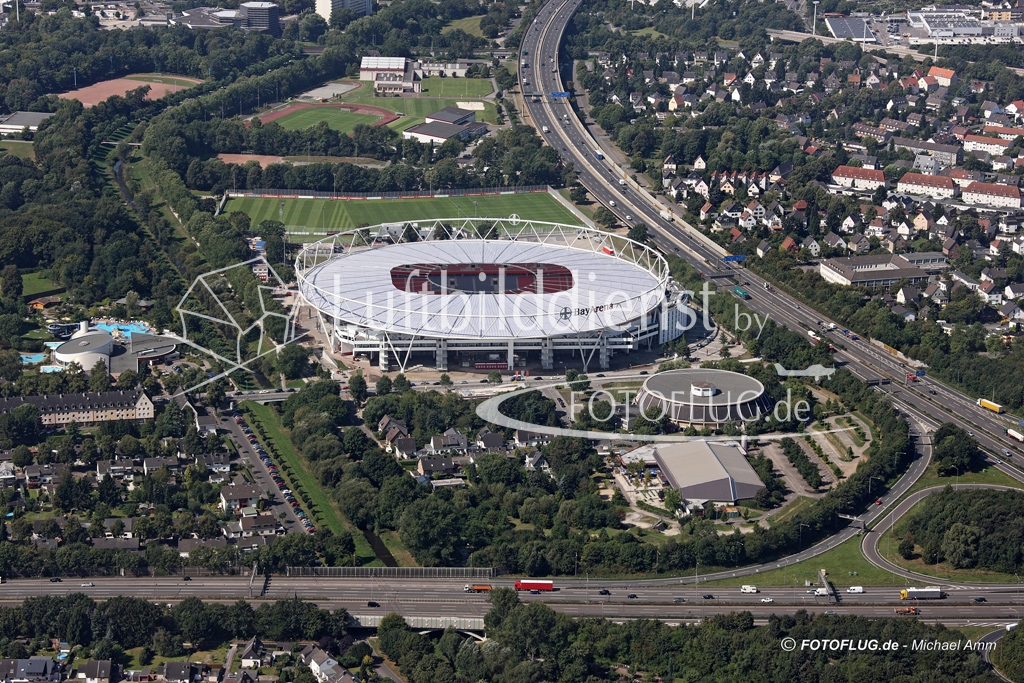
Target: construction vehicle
column 994, row 407
column 477, row 589
column 905, row 610
column 926, row 593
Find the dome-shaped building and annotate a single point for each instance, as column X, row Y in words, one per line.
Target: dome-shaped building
column 703, row 397
column 88, row 345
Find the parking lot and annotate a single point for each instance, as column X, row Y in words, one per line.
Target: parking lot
column 264, row 472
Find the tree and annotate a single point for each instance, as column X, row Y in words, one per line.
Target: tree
column 193, row 620
column 401, row 384
column 128, row 446
column 638, row 233
column 605, row 217
column 960, row 545
column 99, row 380
column 21, row 456
column 672, row 499
column 906, row 547
column 292, row 360
column 383, row 386
column 578, row 194
column 445, row 380
column 494, row 377
column 10, row 283
column 880, row 195
column 503, row 601
column 10, row 365
column 357, row 387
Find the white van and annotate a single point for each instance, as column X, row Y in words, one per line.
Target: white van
column 748, row 589
column 544, row 128
column 612, row 202
column 855, row 589
column 820, row 591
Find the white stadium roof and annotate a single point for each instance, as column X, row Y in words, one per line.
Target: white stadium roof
column 607, row 290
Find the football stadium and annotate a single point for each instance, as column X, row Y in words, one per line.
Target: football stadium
column 489, row 294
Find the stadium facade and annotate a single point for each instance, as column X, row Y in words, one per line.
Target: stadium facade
column 489, row 294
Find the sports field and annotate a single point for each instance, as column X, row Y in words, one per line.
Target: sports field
column 470, row 25
column 327, row 215
column 337, row 119
column 470, row 88
column 425, row 105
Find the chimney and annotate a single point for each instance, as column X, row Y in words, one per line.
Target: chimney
column 83, row 326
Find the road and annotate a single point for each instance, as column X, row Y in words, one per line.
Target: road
column 445, row 597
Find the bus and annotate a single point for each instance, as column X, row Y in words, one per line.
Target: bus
column 741, row 293
column 597, row 153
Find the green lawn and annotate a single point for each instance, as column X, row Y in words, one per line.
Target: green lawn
column 19, row 148
column 337, row 119
column 425, row 105
column 326, row 215
column 470, row 25
column 845, row 565
column 467, row 88
column 649, row 31
column 33, row 284
column 300, row 477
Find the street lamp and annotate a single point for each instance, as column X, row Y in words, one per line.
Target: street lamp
column 869, row 483
column 957, row 485
column 814, row 29
column 801, row 531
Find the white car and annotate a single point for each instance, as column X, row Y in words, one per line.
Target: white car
column 767, row 600
column 88, row 584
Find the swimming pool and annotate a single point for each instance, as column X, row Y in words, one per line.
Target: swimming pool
column 47, row 369
column 126, row 328
column 32, row 358
column 52, row 345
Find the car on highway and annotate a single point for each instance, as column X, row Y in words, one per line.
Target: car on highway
column 535, row 592
column 55, row 579
column 88, row 584
column 186, row 578
column 980, row 599
column 970, row 433
column 678, row 600
column 604, row 591
column 372, row 603
column 1006, row 453
column 831, row 612
column 631, row 596
column 708, row 596
column 768, row 600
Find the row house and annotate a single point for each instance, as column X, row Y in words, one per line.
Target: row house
column 858, row 178
column 934, row 186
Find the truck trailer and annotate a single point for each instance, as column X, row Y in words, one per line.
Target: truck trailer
column 535, row 585
column 1015, row 434
column 994, row 407
column 926, row 593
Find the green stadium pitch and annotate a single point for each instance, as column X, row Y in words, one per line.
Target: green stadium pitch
column 307, row 220
column 337, row 119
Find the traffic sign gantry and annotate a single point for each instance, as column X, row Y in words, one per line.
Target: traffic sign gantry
column 738, row 257
column 560, row 94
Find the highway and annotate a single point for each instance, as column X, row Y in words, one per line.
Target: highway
column 540, row 73
column 417, row 597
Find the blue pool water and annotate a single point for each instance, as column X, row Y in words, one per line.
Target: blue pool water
column 52, row 345
column 46, row 369
column 32, row 358
column 128, row 329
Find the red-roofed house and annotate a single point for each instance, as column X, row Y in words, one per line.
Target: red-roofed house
column 992, row 194
column 945, row 77
column 858, row 178
column 980, row 143
column 791, row 245
column 927, row 185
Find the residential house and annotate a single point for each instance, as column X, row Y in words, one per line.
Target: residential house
column 239, row 494
column 253, row 655
column 434, row 464
column 811, row 245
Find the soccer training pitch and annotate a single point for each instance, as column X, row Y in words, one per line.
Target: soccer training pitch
column 303, row 218
column 336, row 118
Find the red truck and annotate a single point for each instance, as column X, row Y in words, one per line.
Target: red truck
column 535, row 585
